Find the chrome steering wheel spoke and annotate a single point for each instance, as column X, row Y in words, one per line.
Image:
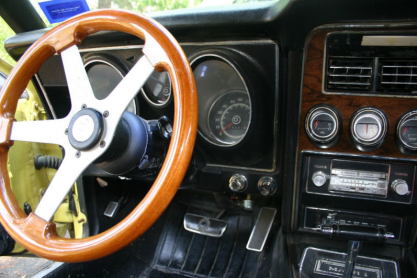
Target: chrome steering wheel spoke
column 81, row 92
column 73, row 164
column 129, row 86
column 47, row 131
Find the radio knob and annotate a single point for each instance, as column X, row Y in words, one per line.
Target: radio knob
column 319, row 178
column 400, row 187
column 238, row 183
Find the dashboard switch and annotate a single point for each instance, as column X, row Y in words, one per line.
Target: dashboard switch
column 400, row 187
column 319, row 178
column 238, row 183
column 267, row 186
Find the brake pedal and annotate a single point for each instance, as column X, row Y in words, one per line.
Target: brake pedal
column 204, row 225
column 261, row 230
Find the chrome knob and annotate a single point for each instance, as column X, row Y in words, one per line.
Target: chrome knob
column 267, row 186
column 238, row 183
column 400, row 187
column 319, row 178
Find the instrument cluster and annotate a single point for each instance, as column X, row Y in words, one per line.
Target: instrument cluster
column 233, row 91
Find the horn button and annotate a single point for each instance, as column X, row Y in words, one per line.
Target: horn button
column 85, row 129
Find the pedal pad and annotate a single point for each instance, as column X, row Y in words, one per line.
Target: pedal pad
column 204, row 225
column 111, row 209
column 260, row 231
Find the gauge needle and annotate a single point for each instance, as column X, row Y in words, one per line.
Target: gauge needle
column 229, row 125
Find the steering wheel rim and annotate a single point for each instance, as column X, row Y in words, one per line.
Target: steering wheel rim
column 162, row 51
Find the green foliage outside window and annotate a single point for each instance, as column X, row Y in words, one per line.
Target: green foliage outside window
column 5, row 32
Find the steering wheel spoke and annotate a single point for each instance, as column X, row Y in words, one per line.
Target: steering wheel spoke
column 79, row 85
column 126, row 90
column 47, row 131
column 70, row 169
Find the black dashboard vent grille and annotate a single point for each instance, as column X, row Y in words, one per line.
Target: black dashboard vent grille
column 398, row 76
column 349, row 74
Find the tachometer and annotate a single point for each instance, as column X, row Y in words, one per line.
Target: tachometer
column 104, row 75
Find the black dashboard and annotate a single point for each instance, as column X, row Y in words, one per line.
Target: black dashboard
column 316, row 97
column 238, row 102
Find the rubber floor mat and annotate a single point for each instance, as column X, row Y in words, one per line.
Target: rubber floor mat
column 167, row 250
column 194, row 255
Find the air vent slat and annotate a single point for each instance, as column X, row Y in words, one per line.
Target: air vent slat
column 349, row 74
column 398, row 76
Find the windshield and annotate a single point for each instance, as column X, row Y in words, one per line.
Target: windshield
column 151, row 6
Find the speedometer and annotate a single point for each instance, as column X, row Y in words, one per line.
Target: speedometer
column 229, row 117
column 224, row 102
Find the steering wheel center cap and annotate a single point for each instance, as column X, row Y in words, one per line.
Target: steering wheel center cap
column 85, row 129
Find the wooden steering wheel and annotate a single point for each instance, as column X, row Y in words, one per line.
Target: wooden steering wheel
column 161, row 51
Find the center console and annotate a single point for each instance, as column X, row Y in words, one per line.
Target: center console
column 354, row 210
column 356, row 197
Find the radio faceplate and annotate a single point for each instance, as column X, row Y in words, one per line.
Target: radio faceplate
column 356, row 178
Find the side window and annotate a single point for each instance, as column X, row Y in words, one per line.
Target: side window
column 5, row 32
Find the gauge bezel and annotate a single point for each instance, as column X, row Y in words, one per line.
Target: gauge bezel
column 323, row 141
column 158, row 105
column 377, row 141
column 404, row 118
column 210, row 111
column 112, row 62
column 214, row 56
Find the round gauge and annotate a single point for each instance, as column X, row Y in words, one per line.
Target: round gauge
column 229, row 117
column 225, row 108
column 368, row 128
column 407, row 131
column 104, row 77
column 157, row 90
column 322, row 124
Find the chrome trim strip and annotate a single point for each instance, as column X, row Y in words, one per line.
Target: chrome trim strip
column 45, row 95
column 213, row 43
column 389, row 40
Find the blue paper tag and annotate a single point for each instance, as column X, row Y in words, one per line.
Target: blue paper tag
column 60, row 10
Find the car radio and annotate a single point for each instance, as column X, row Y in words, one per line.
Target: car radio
column 385, row 181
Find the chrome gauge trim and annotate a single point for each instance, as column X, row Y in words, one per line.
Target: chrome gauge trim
column 405, row 118
column 380, row 119
column 102, row 61
column 159, row 105
column 315, row 112
column 227, row 61
column 226, row 144
column 45, row 96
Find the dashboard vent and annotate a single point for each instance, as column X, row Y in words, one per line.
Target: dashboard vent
column 398, row 76
column 349, row 74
